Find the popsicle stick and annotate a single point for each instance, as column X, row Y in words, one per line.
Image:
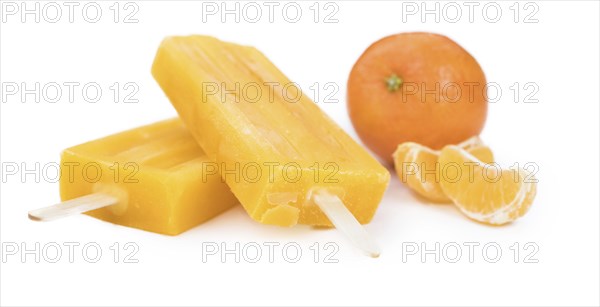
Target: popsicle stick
column 344, row 221
column 74, row 206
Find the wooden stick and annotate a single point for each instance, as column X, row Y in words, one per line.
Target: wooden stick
column 344, row 221
column 74, row 206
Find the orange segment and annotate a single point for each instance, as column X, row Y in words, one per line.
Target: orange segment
column 417, row 166
column 485, row 192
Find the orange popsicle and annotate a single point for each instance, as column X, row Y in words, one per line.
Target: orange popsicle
column 149, row 178
column 282, row 157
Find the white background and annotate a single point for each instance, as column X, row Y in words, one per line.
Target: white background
column 559, row 53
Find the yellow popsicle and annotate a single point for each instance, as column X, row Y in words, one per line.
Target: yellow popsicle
column 153, row 172
column 276, row 149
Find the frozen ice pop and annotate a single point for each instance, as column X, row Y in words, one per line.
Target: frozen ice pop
column 282, row 157
column 149, row 178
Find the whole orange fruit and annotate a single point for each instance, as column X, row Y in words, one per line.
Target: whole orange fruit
column 416, row 87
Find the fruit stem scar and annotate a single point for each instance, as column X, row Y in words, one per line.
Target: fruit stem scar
column 393, row 83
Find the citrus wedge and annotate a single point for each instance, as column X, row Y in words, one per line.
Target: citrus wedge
column 417, row 166
column 485, row 192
